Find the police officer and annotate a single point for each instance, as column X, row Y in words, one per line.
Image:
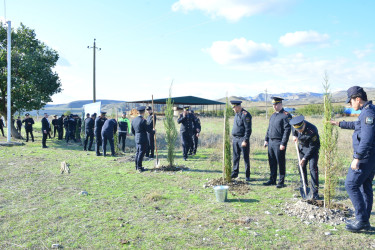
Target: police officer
column 28, row 127
column 71, row 125
column 89, row 131
column 77, row 131
column 99, row 122
column 276, row 139
column 123, row 130
column 361, row 172
column 307, row 136
column 19, row 125
column 196, row 132
column 2, row 125
column 108, row 130
column 150, row 133
column 186, row 130
column 241, row 132
column 46, row 127
column 139, row 130
column 55, row 125
column 60, row 127
column 65, row 122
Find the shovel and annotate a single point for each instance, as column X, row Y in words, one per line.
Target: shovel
column 156, row 145
column 305, row 191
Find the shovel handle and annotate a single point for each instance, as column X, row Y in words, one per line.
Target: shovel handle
column 300, row 169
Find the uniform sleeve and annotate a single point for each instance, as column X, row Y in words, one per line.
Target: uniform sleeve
column 32, row 121
column 347, row 125
column 268, row 130
column 314, row 146
column 132, row 129
column 115, row 128
column 181, row 119
column 287, row 130
column 367, row 135
column 247, row 123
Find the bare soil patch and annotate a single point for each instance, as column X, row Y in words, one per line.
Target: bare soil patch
column 168, row 169
column 236, row 187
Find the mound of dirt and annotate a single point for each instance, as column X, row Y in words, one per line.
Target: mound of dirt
column 235, row 186
column 126, row 159
column 168, row 169
column 314, row 211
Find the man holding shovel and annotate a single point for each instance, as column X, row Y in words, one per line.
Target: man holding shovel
column 361, row 172
column 307, row 137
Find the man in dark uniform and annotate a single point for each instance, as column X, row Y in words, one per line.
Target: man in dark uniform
column 55, row 125
column 196, row 132
column 2, row 125
column 28, row 127
column 186, row 130
column 277, row 139
column 150, row 133
column 71, row 129
column 66, row 126
column 46, row 127
column 108, row 130
column 123, row 130
column 19, row 125
column 99, row 122
column 241, row 132
column 89, row 130
column 77, row 131
column 60, row 127
column 361, row 172
column 139, row 130
column 307, row 136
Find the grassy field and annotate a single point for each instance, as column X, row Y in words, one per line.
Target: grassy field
column 156, row 210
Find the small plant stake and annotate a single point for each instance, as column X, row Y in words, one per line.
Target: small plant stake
column 64, row 168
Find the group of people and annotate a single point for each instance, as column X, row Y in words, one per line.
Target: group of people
column 281, row 124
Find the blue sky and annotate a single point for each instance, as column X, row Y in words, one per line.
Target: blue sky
column 207, row 47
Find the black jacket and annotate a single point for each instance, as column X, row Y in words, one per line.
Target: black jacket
column 150, row 123
column 28, row 123
column 242, row 125
column 186, row 123
column 89, row 126
column 279, row 127
column 139, row 130
column 109, row 128
column 308, row 140
column 45, row 125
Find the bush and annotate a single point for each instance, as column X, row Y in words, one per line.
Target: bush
column 318, row 109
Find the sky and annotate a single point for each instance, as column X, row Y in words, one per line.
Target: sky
column 207, row 48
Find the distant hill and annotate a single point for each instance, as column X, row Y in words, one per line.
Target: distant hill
column 79, row 104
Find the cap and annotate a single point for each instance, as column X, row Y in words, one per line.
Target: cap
column 148, row 108
column 103, row 112
column 235, row 103
column 141, row 108
column 55, row 116
column 187, row 108
column 354, row 91
column 276, row 100
column 124, row 113
column 95, row 114
column 27, row 114
column 297, row 121
column 88, row 114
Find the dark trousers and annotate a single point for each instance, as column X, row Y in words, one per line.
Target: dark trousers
column 91, row 137
column 54, row 131
column 2, row 130
column 70, row 135
column 314, row 172
column 49, row 134
column 98, row 144
column 60, row 131
column 121, row 140
column 237, row 149
column 150, row 145
column 186, row 141
column 109, row 138
column 19, row 130
column 141, row 150
column 44, row 139
column 358, row 184
column 194, row 144
column 31, row 134
column 276, row 157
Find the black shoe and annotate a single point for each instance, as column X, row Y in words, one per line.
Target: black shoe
column 269, row 183
column 84, row 149
column 247, row 178
column 27, row 140
column 357, row 226
column 234, row 176
column 98, row 154
column 316, row 197
column 185, row 159
column 90, row 149
column 190, row 153
column 280, row 185
column 45, row 147
column 140, row 170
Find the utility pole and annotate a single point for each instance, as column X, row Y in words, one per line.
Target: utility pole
column 265, row 101
column 94, row 70
column 9, row 83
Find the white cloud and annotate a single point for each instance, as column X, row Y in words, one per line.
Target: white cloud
column 302, row 38
column 364, row 52
column 240, row 51
column 232, row 10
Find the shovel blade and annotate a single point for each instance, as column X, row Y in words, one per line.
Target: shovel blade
column 307, row 195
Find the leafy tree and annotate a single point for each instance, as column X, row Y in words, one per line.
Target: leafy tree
column 227, row 155
column 32, row 75
column 170, row 129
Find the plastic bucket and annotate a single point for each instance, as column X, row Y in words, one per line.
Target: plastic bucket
column 221, row 193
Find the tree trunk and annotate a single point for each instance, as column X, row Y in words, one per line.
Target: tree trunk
column 14, row 132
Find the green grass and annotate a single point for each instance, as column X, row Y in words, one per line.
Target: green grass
column 170, row 210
